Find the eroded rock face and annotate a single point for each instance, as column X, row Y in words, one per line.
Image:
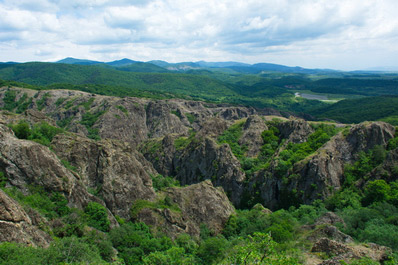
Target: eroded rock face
column 28, row 163
column 161, row 121
column 205, row 159
column 365, row 136
column 17, row 226
column 388, row 170
column 200, row 203
column 113, row 170
column 295, row 131
column 235, row 113
column 322, row 174
column 213, row 128
column 252, row 130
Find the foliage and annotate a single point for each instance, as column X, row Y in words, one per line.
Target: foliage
column 370, row 224
column 50, row 204
column 160, row 182
column 97, row 216
column 393, row 143
column 346, row 198
column 172, row 256
column 307, row 214
column 134, row 241
column 364, row 164
column 231, row 137
column 380, row 191
column 191, row 118
column 164, row 203
column 212, row 250
column 123, row 109
column 182, row 142
column 359, row 110
column 42, row 132
column 296, row 152
column 9, row 100
column 12, row 253
column 3, row 179
column 88, row 120
column 280, row 224
column 41, row 102
column 72, row 250
column 19, row 106
column 258, row 249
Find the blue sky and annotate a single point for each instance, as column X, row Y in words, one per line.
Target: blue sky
column 338, row 34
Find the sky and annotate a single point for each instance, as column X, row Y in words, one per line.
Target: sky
column 335, row 34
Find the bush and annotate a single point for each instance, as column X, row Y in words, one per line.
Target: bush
column 21, row 130
column 12, row 253
column 51, row 205
column 212, row 250
column 42, row 133
column 134, row 240
column 258, row 249
column 97, row 216
column 72, row 250
column 159, row 182
column 376, row 191
column 174, row 255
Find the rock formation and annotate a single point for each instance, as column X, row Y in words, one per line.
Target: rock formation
column 198, row 204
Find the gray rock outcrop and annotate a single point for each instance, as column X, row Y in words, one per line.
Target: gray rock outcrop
column 17, row 226
column 198, row 204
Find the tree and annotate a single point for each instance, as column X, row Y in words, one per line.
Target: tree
column 376, row 191
column 97, row 216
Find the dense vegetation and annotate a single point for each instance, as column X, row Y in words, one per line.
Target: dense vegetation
column 358, row 110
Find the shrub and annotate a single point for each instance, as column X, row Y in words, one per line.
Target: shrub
column 159, row 182
column 212, row 250
column 21, row 130
column 97, row 216
column 42, row 133
column 72, row 250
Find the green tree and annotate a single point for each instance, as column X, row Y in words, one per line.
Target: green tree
column 376, row 191
column 97, row 216
column 212, row 250
column 258, row 249
column 72, row 250
column 21, row 130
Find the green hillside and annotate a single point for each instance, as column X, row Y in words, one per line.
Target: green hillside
column 246, row 90
column 362, row 109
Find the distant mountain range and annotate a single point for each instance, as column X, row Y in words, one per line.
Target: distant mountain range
column 187, row 66
column 158, row 66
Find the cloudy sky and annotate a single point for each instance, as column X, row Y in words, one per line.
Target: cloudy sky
column 338, row 34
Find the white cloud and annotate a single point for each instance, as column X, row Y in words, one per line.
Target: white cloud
column 311, row 33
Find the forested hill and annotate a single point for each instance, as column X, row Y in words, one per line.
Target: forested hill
column 357, row 110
